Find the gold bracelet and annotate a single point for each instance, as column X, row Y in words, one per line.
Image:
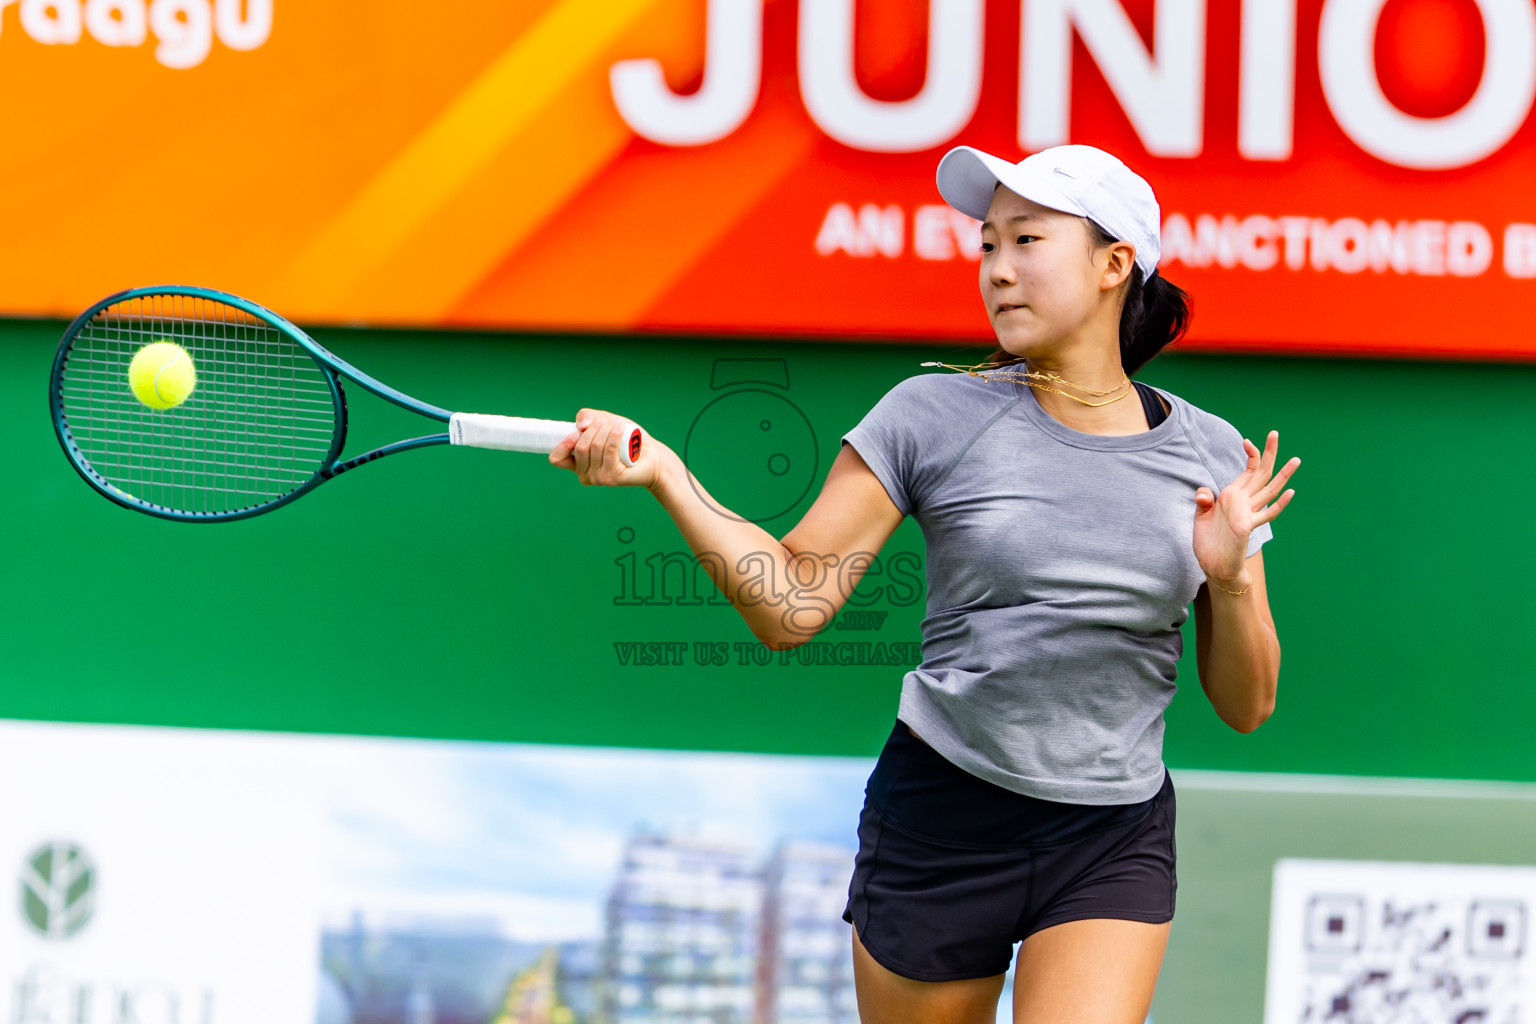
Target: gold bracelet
column 1234, row 593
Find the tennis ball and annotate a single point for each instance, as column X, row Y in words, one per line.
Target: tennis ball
column 162, row 375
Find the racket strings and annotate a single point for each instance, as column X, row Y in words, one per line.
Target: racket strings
column 259, row 424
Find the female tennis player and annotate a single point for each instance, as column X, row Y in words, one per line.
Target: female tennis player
column 1021, row 796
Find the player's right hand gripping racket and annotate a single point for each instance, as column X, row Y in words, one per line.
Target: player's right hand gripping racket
column 265, row 422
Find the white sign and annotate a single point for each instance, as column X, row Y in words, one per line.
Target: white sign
column 155, row 877
column 1364, row 942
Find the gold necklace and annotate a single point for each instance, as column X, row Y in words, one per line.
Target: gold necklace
column 1036, row 379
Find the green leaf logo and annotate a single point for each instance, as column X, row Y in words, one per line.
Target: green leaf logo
column 58, row 890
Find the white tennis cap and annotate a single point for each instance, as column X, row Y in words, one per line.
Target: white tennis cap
column 1080, row 180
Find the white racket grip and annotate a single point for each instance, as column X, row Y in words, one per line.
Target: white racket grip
column 524, row 434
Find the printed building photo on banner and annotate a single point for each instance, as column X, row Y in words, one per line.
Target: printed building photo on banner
column 181, row 876
column 547, row 885
column 1366, row 942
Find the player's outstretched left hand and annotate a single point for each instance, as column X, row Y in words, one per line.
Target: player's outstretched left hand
column 1223, row 522
column 592, row 452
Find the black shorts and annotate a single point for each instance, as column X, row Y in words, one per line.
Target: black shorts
column 953, row 870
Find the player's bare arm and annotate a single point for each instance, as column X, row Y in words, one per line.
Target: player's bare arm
column 787, row 591
column 1237, row 649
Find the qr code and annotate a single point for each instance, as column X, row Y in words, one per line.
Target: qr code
column 1364, row 942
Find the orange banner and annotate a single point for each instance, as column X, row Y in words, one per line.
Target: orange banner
column 1335, row 175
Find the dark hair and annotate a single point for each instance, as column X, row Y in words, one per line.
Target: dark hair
column 1155, row 315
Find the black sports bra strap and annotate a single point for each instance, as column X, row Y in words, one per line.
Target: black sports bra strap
column 1151, row 403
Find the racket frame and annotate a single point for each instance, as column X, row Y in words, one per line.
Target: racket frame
column 333, row 368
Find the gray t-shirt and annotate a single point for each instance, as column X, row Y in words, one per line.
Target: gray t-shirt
column 1060, row 567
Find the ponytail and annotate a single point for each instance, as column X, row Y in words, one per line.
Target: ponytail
column 1155, row 315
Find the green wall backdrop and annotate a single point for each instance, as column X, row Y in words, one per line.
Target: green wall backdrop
column 470, row 594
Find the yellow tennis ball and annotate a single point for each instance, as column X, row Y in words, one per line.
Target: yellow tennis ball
column 162, row 375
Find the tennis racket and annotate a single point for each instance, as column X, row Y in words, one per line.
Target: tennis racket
column 264, row 424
